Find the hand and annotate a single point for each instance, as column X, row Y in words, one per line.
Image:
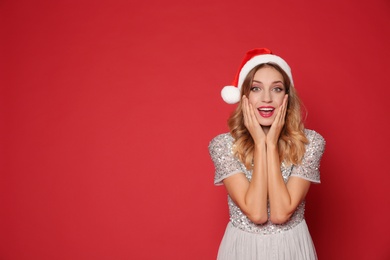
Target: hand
column 277, row 125
column 251, row 122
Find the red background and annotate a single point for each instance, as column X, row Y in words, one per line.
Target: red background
column 107, row 108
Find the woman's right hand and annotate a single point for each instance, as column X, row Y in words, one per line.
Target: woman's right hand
column 278, row 124
column 251, row 122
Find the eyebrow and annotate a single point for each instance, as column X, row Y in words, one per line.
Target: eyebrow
column 278, row 81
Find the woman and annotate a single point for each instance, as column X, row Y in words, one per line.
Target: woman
column 267, row 163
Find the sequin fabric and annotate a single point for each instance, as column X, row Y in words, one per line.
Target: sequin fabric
column 226, row 164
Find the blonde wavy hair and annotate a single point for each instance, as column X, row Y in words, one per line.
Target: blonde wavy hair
column 292, row 139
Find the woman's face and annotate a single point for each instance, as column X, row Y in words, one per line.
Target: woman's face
column 266, row 94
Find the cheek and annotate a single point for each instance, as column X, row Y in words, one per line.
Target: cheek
column 252, row 98
column 279, row 100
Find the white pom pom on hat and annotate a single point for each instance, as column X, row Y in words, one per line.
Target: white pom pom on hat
column 232, row 94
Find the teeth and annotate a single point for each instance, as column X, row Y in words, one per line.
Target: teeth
column 266, row 109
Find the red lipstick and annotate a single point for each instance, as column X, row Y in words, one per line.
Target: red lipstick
column 266, row 111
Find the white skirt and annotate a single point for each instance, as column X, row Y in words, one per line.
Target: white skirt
column 294, row 244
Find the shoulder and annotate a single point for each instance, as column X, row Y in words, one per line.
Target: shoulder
column 221, row 152
column 221, row 140
column 316, row 145
column 314, row 138
column 308, row 169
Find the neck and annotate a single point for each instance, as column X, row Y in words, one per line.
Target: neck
column 266, row 129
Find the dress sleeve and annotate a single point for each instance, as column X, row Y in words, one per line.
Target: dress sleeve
column 226, row 164
column 309, row 168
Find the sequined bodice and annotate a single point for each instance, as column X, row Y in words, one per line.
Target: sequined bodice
column 240, row 221
column 226, row 164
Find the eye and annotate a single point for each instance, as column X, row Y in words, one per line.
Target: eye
column 255, row 89
column 278, row 89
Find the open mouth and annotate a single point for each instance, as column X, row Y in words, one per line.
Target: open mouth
column 266, row 111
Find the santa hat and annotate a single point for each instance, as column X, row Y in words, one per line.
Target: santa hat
column 231, row 94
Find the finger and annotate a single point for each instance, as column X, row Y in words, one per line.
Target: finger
column 283, row 107
column 278, row 114
column 285, row 103
column 279, row 118
column 285, row 100
column 245, row 110
column 251, row 121
column 250, row 115
column 249, row 111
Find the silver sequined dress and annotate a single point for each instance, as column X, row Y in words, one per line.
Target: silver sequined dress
column 244, row 239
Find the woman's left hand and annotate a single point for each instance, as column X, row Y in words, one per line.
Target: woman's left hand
column 277, row 125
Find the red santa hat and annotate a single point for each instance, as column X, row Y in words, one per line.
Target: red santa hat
column 231, row 94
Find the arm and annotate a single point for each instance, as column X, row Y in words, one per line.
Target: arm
column 287, row 197
column 251, row 196
column 284, row 198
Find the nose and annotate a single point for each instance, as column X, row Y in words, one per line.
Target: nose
column 267, row 97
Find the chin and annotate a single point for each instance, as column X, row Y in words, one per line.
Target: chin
column 266, row 123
